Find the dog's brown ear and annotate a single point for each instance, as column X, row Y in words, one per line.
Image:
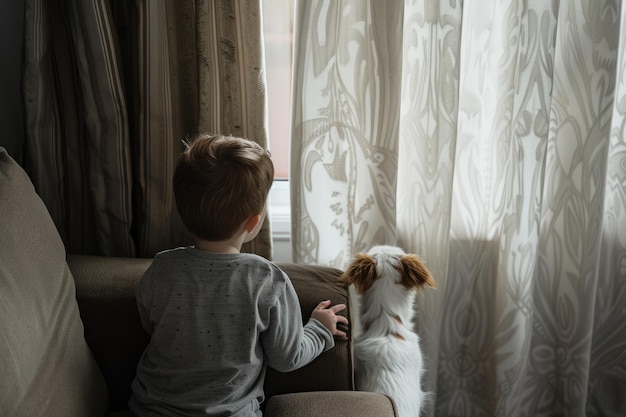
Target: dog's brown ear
column 361, row 272
column 414, row 273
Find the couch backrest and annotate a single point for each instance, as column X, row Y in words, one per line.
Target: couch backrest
column 46, row 367
column 333, row 370
column 106, row 289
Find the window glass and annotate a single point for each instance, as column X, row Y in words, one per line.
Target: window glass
column 277, row 28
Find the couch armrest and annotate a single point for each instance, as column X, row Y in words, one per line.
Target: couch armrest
column 330, row 403
column 105, row 291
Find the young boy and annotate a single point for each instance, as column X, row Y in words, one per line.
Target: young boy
column 218, row 317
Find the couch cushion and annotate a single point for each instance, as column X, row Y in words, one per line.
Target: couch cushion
column 333, row 369
column 45, row 364
column 330, row 403
column 105, row 291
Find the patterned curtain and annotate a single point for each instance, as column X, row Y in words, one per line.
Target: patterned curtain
column 111, row 88
column 488, row 137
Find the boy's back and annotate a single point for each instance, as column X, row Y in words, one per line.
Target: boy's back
column 205, row 312
column 217, row 317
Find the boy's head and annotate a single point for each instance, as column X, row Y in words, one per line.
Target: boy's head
column 219, row 183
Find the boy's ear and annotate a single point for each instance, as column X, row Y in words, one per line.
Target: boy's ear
column 252, row 222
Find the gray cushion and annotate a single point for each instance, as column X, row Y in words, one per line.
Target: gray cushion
column 45, row 364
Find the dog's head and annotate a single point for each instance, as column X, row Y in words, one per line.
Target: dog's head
column 387, row 261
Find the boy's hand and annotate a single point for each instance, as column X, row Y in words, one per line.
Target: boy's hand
column 327, row 315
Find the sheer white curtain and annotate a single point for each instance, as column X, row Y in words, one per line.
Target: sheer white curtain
column 488, row 137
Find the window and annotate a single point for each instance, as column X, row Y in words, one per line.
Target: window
column 278, row 36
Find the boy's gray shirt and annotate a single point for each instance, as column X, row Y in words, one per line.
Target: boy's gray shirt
column 216, row 321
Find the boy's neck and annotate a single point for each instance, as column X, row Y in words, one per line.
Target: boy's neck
column 246, row 232
column 224, row 246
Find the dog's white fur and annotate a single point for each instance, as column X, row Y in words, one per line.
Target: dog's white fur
column 388, row 358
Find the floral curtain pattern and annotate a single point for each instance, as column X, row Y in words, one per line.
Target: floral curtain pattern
column 488, row 137
column 336, row 140
column 111, row 88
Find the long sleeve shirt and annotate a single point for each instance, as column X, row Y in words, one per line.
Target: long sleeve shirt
column 216, row 321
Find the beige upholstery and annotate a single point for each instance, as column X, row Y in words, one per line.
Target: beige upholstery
column 45, row 364
column 330, row 403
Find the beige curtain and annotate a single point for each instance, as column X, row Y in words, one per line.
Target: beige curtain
column 111, row 88
column 488, row 137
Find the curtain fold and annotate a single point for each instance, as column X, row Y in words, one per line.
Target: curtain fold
column 112, row 88
column 344, row 140
column 503, row 166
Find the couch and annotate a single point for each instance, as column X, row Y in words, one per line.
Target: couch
column 70, row 336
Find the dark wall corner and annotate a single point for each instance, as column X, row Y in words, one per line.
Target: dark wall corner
column 11, row 106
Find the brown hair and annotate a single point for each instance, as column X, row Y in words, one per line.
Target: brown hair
column 219, row 182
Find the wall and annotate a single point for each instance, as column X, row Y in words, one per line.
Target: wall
column 11, row 109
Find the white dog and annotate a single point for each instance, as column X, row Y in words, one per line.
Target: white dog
column 388, row 358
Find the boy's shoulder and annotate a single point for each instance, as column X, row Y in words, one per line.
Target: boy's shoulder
column 191, row 253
